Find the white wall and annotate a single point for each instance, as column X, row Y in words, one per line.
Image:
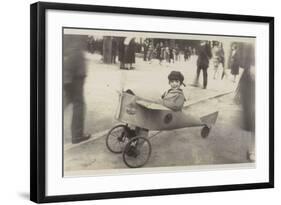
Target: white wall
column 14, row 109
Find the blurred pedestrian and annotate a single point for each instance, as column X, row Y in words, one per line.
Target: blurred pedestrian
column 145, row 49
column 246, row 95
column 222, row 60
column 187, row 53
column 194, row 52
column 171, row 54
column 204, row 54
column 130, row 50
column 150, row 52
column 177, row 53
column 121, row 52
column 90, row 44
column 159, row 52
column 167, row 54
column 218, row 58
column 74, row 74
column 234, row 61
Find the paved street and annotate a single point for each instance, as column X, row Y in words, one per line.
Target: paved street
column 227, row 143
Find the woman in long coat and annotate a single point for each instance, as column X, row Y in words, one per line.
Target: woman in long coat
column 130, row 50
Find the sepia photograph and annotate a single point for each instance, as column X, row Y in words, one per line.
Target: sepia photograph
column 133, row 102
column 143, row 101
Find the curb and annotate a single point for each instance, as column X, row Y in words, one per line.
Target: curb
column 92, row 138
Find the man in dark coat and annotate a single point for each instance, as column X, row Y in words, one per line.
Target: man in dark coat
column 74, row 74
column 204, row 54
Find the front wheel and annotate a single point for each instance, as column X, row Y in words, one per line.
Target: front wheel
column 117, row 138
column 205, row 131
column 137, row 152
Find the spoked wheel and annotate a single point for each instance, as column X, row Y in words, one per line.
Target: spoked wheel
column 137, row 152
column 205, row 131
column 117, row 138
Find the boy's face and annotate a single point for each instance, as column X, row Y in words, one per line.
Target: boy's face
column 174, row 84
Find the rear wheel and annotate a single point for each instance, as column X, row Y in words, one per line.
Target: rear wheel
column 137, row 152
column 117, row 138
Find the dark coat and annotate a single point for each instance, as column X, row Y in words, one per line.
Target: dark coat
column 235, row 63
column 74, row 65
column 121, row 49
column 204, row 54
column 158, row 52
column 130, row 51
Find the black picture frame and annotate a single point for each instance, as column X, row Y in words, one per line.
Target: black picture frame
column 38, row 100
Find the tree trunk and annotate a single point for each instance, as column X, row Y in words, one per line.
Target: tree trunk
column 107, row 49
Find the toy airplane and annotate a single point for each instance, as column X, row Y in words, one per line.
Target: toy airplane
column 154, row 116
column 134, row 111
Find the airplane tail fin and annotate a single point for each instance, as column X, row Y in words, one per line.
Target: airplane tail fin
column 210, row 119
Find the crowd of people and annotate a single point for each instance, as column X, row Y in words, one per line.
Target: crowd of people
column 124, row 49
column 164, row 52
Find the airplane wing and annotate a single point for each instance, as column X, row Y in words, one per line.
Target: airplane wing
column 154, row 116
column 151, row 105
column 193, row 102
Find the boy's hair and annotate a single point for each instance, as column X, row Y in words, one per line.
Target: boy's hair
column 176, row 75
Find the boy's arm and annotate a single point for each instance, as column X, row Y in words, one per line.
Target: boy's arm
column 176, row 104
column 179, row 101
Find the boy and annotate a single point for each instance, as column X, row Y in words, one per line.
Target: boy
column 174, row 97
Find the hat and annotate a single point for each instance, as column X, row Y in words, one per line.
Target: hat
column 176, row 75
